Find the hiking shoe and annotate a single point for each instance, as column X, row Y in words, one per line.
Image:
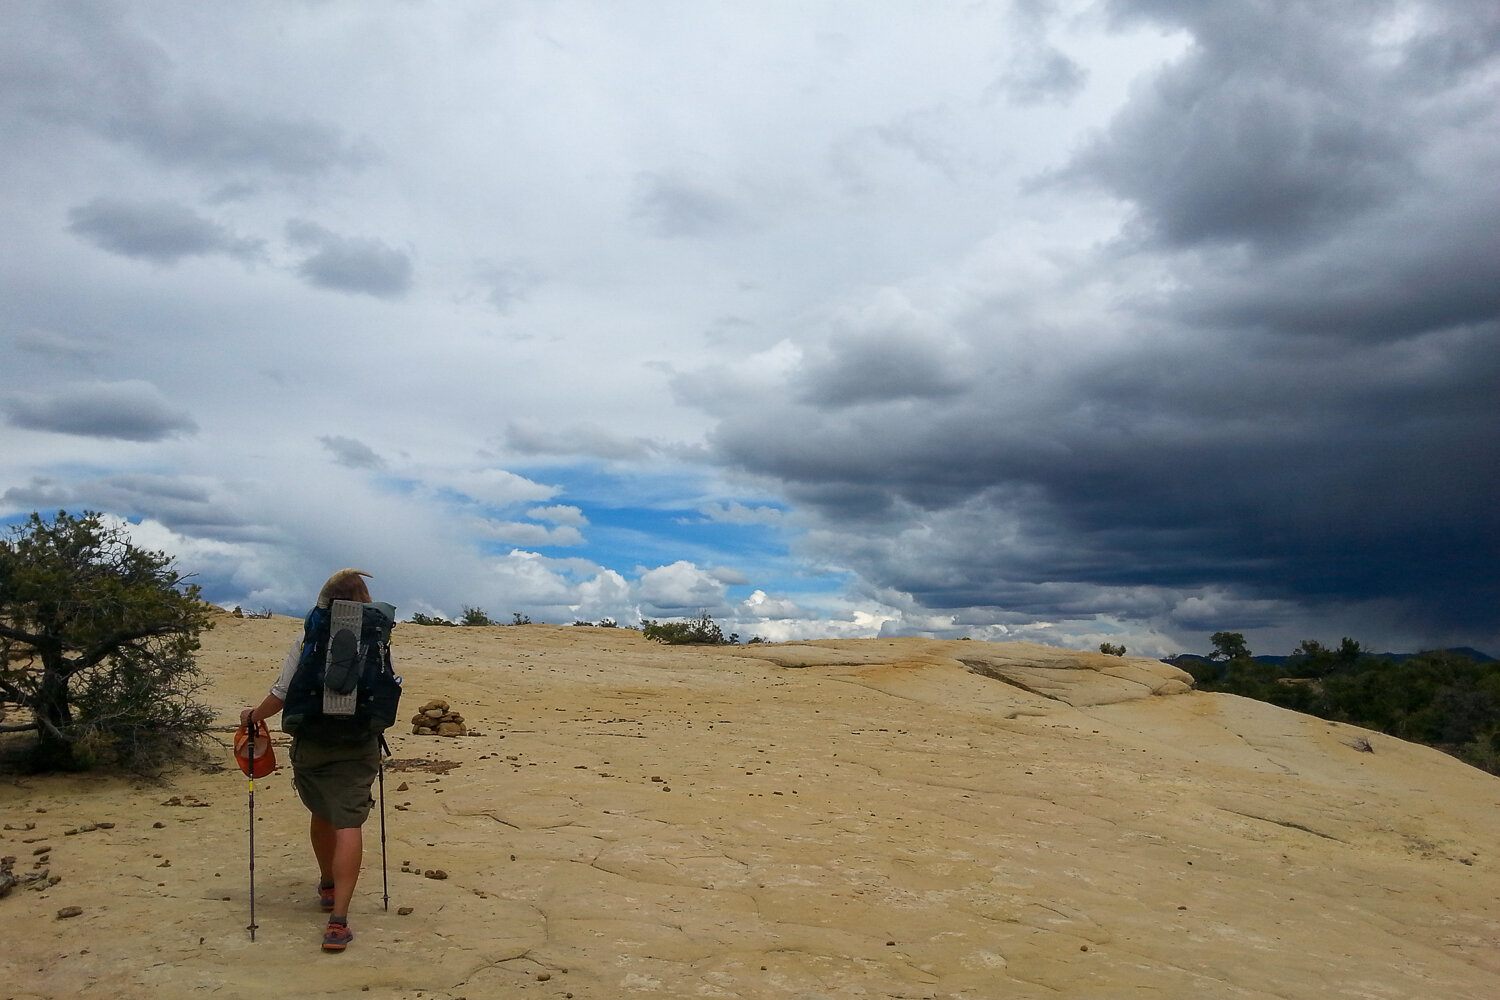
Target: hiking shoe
column 325, row 896
column 337, row 937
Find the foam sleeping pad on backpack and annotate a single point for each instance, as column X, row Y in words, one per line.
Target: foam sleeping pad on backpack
column 341, row 673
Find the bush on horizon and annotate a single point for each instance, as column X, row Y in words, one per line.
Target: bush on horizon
column 475, row 616
column 697, row 631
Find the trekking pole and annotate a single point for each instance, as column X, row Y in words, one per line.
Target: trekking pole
column 252, row 751
column 384, row 885
column 252, row 857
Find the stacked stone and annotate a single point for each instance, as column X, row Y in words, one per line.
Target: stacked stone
column 436, row 719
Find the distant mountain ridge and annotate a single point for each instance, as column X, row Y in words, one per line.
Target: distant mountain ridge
column 1474, row 654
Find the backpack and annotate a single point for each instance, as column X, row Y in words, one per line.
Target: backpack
column 344, row 690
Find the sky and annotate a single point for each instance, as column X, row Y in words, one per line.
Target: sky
column 1064, row 322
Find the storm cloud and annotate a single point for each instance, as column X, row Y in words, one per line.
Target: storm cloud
column 1303, row 417
column 1061, row 320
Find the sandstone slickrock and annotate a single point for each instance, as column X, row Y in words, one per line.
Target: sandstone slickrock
column 956, row 819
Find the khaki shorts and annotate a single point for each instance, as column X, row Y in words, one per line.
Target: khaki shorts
column 334, row 781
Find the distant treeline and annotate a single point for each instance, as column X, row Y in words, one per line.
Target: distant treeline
column 1447, row 699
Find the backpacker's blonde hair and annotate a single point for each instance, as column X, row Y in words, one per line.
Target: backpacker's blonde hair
column 345, row 585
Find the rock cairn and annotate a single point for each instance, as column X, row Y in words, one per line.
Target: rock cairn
column 436, row 719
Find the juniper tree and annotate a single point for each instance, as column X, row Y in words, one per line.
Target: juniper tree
column 97, row 641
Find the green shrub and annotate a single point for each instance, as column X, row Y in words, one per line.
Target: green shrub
column 698, row 631
column 474, row 616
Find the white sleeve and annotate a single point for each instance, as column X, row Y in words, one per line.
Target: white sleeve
column 288, row 670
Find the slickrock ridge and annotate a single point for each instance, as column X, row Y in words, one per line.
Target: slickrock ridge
column 873, row 818
column 1077, row 679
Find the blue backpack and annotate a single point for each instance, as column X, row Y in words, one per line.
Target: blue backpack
column 344, row 690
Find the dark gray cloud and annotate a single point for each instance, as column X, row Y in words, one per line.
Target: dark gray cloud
column 80, row 65
column 1426, row 264
column 883, row 365
column 1454, row 42
column 1275, row 126
column 1299, row 417
column 130, row 410
column 1303, row 484
column 350, row 263
column 352, row 453
column 216, row 137
column 183, row 504
column 163, row 232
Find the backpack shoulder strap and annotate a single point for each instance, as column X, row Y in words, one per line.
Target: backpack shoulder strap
column 315, row 622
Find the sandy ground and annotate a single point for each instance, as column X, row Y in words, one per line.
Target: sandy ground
column 873, row 818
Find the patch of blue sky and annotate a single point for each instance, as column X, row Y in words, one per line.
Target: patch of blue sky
column 641, row 521
column 592, row 485
column 652, row 537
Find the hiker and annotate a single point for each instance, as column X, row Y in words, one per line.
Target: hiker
column 332, row 778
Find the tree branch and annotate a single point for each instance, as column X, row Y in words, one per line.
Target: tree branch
column 114, row 643
column 19, row 636
column 9, row 692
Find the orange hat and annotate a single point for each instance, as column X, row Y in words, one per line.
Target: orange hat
column 256, row 758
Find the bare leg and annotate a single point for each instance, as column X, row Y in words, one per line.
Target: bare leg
column 322, row 835
column 348, row 853
column 340, row 854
